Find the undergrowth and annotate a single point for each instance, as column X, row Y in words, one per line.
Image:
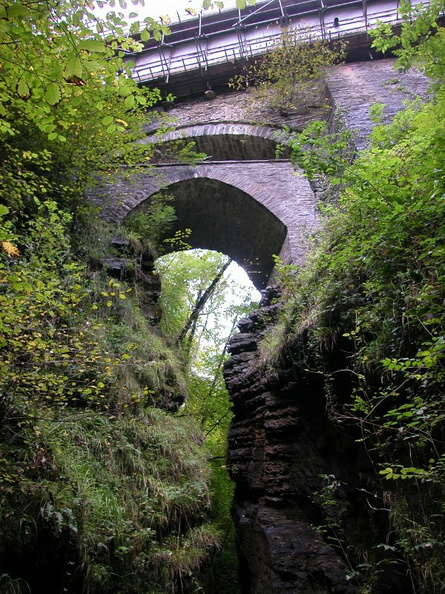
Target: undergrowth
column 100, row 487
column 372, row 297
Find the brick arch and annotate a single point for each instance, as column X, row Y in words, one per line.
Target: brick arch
column 258, row 209
column 227, row 140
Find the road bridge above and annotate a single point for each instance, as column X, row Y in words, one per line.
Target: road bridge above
column 205, row 52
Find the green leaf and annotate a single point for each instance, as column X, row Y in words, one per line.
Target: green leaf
column 129, row 102
column 52, row 94
column 92, row 45
column 17, row 10
column 240, row 4
column 74, row 67
column 3, row 210
column 134, row 28
column 23, row 88
column 125, row 90
column 145, row 35
column 49, row 127
column 92, row 66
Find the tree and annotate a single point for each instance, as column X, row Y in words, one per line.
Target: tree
column 196, row 292
column 94, row 480
column 68, row 107
column 420, row 41
column 61, row 62
column 199, row 295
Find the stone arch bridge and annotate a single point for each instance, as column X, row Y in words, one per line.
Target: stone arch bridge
column 228, row 206
column 241, row 200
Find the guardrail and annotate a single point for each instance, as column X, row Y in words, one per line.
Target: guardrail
column 238, row 44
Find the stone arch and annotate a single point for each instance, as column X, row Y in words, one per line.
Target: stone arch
column 220, row 217
column 225, row 141
column 272, row 210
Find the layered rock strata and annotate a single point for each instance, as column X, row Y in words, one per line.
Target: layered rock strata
column 300, row 508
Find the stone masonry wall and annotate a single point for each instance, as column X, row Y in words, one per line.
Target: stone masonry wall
column 355, row 87
column 351, row 88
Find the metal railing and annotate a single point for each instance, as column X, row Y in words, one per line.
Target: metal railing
column 236, row 45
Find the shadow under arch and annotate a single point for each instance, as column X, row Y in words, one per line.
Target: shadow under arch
column 226, row 219
column 224, row 141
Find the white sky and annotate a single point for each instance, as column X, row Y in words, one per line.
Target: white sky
column 171, row 8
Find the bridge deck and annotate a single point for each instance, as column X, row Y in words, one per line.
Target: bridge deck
column 206, row 51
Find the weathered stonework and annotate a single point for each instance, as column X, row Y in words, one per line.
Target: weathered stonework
column 351, row 88
column 238, row 107
column 354, row 88
column 279, row 550
column 226, row 141
column 216, row 200
column 242, row 201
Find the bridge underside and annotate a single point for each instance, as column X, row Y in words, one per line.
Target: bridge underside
column 207, row 51
column 220, row 218
column 240, row 201
column 228, row 147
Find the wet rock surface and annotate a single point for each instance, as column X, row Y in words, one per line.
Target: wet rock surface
column 300, row 506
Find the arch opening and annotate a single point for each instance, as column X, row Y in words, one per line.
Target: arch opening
column 227, row 147
column 223, row 218
column 224, row 142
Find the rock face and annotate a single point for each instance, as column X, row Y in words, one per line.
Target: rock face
column 300, row 504
column 136, row 268
column 306, row 521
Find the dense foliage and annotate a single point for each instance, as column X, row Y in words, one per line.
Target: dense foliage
column 100, row 489
column 187, row 277
column 373, row 298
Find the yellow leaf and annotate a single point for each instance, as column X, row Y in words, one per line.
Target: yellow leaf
column 11, row 249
